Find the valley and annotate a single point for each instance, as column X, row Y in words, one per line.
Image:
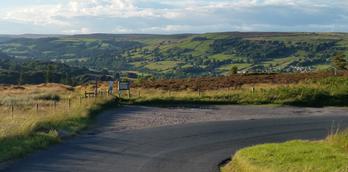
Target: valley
column 179, row 56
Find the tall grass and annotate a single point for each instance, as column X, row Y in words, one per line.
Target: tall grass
column 330, row 154
column 34, row 117
column 324, row 92
column 338, row 139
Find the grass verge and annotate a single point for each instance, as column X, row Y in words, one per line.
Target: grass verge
column 329, row 155
column 311, row 93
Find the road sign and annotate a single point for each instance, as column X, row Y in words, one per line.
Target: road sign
column 111, row 87
column 123, row 86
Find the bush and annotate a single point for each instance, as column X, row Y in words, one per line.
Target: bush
column 48, row 97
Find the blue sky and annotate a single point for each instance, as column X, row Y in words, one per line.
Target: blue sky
column 171, row 16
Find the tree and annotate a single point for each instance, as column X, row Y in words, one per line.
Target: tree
column 234, row 70
column 339, row 61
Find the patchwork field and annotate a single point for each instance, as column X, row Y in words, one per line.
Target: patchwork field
column 175, row 56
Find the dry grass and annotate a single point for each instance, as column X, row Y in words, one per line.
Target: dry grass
column 316, row 93
column 158, row 93
column 24, row 101
column 35, row 114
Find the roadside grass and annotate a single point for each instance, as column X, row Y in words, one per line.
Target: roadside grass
column 314, row 93
column 328, row 155
column 293, row 156
column 30, row 128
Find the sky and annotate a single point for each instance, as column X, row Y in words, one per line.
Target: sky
column 171, row 16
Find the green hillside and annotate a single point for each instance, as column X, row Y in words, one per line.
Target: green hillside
column 28, row 71
column 217, row 53
column 184, row 55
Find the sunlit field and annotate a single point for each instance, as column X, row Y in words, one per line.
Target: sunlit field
column 325, row 155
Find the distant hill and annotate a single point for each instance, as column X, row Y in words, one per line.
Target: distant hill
column 31, row 36
column 28, row 71
column 183, row 55
column 4, row 38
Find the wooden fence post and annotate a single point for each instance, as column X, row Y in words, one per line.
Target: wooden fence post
column 37, row 107
column 253, row 90
column 12, row 110
column 69, row 103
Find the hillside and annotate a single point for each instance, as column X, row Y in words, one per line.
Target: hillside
column 27, row 71
column 184, row 55
column 216, row 53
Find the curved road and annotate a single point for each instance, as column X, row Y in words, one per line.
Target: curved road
column 194, row 147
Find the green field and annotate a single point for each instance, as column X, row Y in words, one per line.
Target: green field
column 201, row 54
column 221, row 50
column 162, row 66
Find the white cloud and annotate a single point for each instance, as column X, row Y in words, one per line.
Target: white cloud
column 82, row 30
column 120, row 29
column 122, row 16
column 37, row 15
column 48, row 14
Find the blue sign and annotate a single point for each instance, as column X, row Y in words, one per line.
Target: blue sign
column 111, row 87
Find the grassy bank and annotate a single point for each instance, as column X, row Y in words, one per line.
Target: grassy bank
column 331, row 91
column 33, row 117
column 329, row 155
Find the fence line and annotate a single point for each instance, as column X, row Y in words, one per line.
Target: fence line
column 47, row 106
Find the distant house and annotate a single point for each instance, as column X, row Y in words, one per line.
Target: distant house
column 301, row 69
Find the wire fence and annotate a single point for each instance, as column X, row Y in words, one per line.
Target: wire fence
column 47, row 107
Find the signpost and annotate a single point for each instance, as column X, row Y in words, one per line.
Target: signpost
column 111, row 88
column 96, row 87
column 123, row 86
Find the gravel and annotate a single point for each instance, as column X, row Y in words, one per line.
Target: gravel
column 140, row 117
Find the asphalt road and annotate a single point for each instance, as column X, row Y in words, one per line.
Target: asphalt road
column 197, row 147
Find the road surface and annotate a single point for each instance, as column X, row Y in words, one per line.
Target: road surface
column 183, row 140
